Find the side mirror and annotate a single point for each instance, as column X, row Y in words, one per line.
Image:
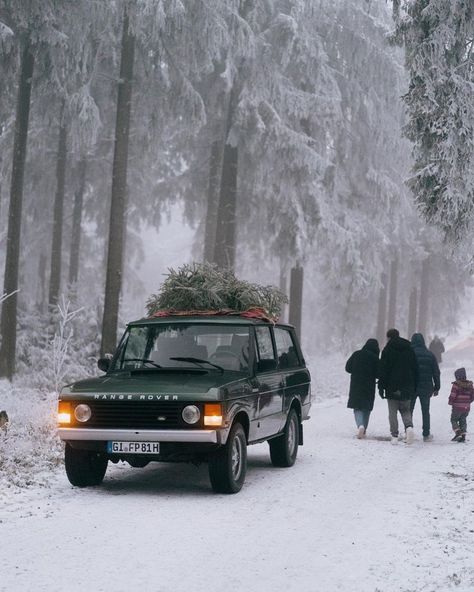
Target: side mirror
column 103, row 364
column 266, row 365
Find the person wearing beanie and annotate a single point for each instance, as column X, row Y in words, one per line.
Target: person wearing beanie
column 363, row 368
column 398, row 378
column 428, row 381
column 460, row 399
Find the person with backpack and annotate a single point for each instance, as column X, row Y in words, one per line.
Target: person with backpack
column 363, row 368
column 428, row 381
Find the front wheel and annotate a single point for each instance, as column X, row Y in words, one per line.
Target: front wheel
column 84, row 467
column 284, row 448
column 227, row 468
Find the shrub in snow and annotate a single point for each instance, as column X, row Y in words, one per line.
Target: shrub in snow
column 29, row 446
column 57, row 349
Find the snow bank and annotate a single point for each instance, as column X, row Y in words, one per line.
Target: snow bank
column 29, row 446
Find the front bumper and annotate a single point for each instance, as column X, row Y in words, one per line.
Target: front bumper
column 98, row 435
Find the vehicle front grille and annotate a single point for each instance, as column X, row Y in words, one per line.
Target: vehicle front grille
column 135, row 415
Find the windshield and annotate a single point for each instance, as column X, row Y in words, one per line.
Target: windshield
column 203, row 346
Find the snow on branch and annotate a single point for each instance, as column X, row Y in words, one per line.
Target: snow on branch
column 61, row 341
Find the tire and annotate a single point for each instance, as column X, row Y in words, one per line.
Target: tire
column 84, row 468
column 284, row 448
column 227, row 468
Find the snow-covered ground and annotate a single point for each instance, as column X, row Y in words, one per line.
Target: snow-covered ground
column 350, row 516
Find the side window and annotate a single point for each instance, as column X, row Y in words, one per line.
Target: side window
column 286, row 351
column 265, row 354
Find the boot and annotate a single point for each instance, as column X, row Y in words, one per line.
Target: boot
column 457, row 435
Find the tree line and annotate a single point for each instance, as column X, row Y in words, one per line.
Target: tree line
column 276, row 124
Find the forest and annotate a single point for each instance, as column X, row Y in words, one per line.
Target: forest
column 321, row 146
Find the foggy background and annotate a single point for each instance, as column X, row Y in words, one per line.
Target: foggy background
column 267, row 137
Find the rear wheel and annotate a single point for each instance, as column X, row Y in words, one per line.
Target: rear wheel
column 284, row 448
column 84, row 467
column 227, row 468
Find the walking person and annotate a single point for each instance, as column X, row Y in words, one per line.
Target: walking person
column 428, row 384
column 398, row 374
column 363, row 368
column 437, row 348
column 461, row 397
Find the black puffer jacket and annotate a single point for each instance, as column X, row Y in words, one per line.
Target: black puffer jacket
column 428, row 369
column 398, row 376
column 363, row 368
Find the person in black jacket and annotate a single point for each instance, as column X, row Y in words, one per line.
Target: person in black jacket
column 428, row 381
column 363, row 368
column 398, row 376
column 437, row 348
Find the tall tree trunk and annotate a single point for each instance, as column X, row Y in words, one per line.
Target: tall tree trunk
column 42, row 287
column 224, row 248
column 284, row 289
column 9, row 308
column 382, row 311
column 412, row 312
column 113, row 282
column 56, row 248
column 424, row 298
column 215, row 170
column 224, row 253
column 296, row 298
column 76, row 225
column 392, row 300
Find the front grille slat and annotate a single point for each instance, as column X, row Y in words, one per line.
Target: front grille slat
column 136, row 415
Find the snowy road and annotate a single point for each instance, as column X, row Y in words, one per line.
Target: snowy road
column 355, row 516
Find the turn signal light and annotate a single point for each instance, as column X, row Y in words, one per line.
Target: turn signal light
column 213, row 415
column 64, row 412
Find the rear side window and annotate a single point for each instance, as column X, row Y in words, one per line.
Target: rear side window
column 286, row 351
column 264, row 344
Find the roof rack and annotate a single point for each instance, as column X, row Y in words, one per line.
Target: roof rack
column 255, row 312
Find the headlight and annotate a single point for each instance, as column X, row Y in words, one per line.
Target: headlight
column 191, row 414
column 82, row 412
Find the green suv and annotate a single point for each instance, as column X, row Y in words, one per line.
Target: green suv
column 189, row 388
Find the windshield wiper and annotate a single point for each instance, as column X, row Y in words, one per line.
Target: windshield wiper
column 144, row 360
column 198, row 362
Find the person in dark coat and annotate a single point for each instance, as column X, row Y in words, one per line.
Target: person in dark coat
column 363, row 368
column 428, row 381
column 437, row 348
column 398, row 375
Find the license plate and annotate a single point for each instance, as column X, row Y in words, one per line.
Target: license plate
column 133, row 447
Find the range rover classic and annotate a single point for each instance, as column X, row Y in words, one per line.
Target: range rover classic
column 189, row 388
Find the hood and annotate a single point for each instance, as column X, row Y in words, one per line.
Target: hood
column 417, row 340
column 192, row 385
column 460, row 374
column 372, row 345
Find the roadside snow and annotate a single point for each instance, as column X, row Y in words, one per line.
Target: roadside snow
column 351, row 515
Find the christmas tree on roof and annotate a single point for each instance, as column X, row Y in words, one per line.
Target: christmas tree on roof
column 199, row 288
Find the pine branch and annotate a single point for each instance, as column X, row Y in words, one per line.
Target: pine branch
column 203, row 286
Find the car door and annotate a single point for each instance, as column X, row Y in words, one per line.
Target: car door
column 270, row 392
column 294, row 376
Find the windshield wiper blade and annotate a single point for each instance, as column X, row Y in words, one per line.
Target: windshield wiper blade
column 144, row 360
column 198, row 361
